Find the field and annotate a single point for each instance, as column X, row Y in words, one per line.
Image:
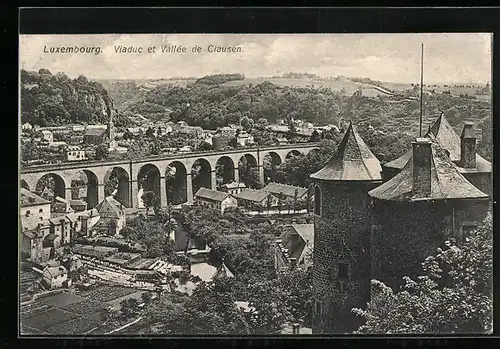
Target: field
column 70, row 313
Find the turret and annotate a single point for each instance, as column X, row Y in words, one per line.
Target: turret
column 341, row 265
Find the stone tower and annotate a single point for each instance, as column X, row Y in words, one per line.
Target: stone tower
column 341, row 257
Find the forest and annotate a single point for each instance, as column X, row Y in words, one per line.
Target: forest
column 55, row 100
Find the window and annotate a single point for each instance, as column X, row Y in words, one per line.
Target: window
column 28, row 213
column 40, row 210
column 317, row 201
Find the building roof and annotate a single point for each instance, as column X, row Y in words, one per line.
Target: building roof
column 298, row 239
column 234, row 185
column 95, row 131
column 77, row 202
column 211, row 194
column 30, row 199
column 55, row 271
column 252, row 195
column 285, row 189
column 222, row 271
column 110, row 207
column 57, row 220
column 51, row 237
column 446, row 136
column 353, row 161
column 446, row 181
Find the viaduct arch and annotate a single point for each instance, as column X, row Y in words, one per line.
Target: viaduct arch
column 169, row 177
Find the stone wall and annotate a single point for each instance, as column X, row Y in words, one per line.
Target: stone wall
column 342, row 236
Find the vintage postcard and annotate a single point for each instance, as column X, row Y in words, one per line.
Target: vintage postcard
column 244, row 184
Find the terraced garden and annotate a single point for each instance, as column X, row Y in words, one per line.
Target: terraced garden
column 69, row 314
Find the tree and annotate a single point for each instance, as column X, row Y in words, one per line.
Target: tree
column 148, row 198
column 150, row 133
column 111, row 185
column 129, row 307
column 204, row 146
column 101, row 152
column 454, row 294
column 298, row 285
column 295, row 197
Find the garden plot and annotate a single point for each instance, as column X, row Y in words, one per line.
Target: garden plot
column 108, row 293
column 49, row 318
column 60, row 300
column 84, row 307
column 79, row 325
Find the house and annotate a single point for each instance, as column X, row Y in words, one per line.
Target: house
column 294, row 247
column 33, row 231
column 78, row 205
column 26, row 126
column 244, row 139
column 112, row 216
column 286, row 191
column 255, row 199
column 233, row 188
column 75, row 153
column 226, row 131
column 54, row 276
column 47, row 194
column 47, row 136
column 52, row 242
column 215, row 199
column 88, row 221
column 185, row 149
column 282, row 141
column 34, row 205
column 62, row 206
column 61, row 226
column 94, row 135
column 78, row 128
column 182, row 123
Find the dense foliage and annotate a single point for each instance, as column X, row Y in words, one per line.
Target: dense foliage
column 454, row 294
column 54, row 100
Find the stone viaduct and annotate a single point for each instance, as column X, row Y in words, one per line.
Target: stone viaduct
column 164, row 174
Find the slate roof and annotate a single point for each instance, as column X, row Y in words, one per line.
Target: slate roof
column 222, row 271
column 446, row 181
column 252, row 195
column 30, row 199
column 446, row 136
column 353, row 161
column 210, row 194
column 298, row 238
column 110, row 207
column 285, row 189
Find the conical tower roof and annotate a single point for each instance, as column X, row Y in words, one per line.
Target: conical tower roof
column 446, row 181
column 448, row 139
column 353, row 161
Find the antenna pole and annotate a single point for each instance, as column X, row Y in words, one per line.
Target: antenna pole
column 421, row 89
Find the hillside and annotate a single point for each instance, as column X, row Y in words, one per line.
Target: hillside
column 51, row 100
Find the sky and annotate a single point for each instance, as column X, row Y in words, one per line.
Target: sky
column 448, row 58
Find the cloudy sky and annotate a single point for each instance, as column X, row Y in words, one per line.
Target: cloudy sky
column 448, row 58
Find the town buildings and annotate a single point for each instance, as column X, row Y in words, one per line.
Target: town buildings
column 33, row 205
column 214, row 199
column 112, row 216
column 75, row 153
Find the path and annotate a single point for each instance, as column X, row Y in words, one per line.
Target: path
column 125, row 326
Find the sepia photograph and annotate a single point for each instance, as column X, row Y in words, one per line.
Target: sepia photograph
column 255, row 184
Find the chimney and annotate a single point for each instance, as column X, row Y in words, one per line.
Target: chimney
column 296, row 328
column 468, row 146
column 422, row 157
